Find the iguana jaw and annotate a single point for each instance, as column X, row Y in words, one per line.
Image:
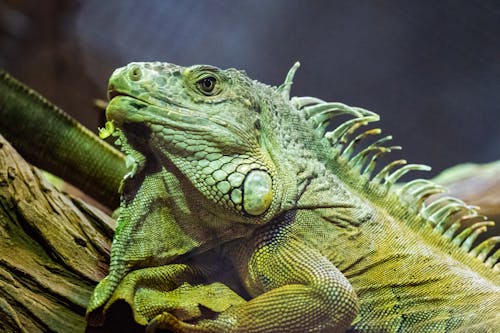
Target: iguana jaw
column 250, row 186
column 123, row 108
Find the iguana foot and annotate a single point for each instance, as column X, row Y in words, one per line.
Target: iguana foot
column 155, row 291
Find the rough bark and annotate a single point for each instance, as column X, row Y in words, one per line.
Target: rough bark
column 55, row 248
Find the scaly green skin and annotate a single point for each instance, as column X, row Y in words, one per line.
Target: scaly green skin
column 232, row 168
column 45, row 136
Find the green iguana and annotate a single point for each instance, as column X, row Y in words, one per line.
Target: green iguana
column 318, row 239
column 227, row 169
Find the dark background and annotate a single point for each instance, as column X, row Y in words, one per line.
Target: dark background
column 431, row 69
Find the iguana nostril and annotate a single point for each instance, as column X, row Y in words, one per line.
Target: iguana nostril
column 135, row 73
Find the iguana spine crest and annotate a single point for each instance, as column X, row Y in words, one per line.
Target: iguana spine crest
column 446, row 215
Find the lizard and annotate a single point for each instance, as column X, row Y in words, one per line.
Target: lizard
column 381, row 304
column 320, row 237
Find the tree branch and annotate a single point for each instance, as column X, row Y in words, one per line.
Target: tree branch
column 53, row 251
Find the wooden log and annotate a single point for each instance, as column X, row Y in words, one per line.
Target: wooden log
column 53, row 251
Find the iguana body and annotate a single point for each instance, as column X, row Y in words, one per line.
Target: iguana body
column 229, row 167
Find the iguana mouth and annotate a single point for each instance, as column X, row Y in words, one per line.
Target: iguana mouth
column 112, row 93
column 123, row 108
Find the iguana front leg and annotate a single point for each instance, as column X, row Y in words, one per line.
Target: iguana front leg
column 296, row 289
column 180, row 289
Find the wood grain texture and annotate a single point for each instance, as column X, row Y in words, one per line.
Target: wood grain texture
column 53, row 250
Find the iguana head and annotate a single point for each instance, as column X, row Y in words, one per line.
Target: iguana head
column 206, row 123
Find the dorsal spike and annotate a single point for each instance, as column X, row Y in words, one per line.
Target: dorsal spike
column 385, row 170
column 301, row 102
column 441, row 217
column 450, row 233
column 360, row 158
column 347, row 127
column 343, row 139
column 438, row 204
column 321, row 114
column 424, row 191
column 393, row 177
column 466, row 238
column 482, row 250
column 350, row 147
column 492, row 260
column 373, row 161
column 452, row 230
column 285, row 88
column 414, row 185
column 448, row 209
column 418, row 190
column 469, row 241
column 329, row 110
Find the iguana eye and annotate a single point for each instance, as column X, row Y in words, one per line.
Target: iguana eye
column 207, row 85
